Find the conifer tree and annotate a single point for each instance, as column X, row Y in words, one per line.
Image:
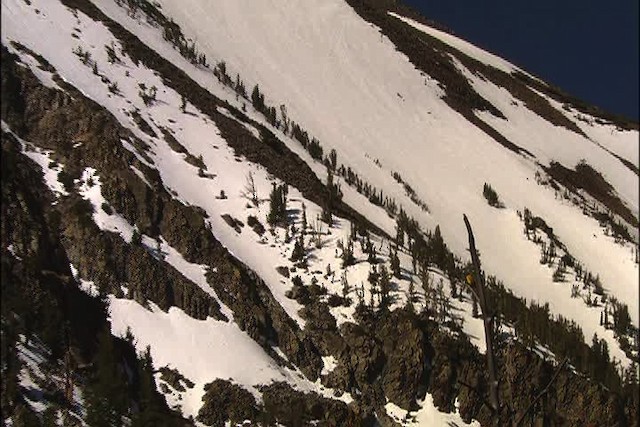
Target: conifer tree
column 395, row 264
column 106, row 394
column 278, row 205
column 150, row 405
column 385, row 288
column 411, row 294
column 333, row 159
column 601, row 318
column 474, row 309
column 345, row 287
column 399, row 234
column 257, row 99
column 298, row 250
column 347, row 255
column 304, row 218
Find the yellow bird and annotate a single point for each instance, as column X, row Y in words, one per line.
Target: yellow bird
column 469, row 279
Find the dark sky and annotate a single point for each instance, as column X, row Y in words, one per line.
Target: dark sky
column 589, row 48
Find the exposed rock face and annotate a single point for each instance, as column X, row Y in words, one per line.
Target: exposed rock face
column 36, row 279
column 571, row 400
column 405, row 346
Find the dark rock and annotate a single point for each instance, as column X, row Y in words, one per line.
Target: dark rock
column 225, row 401
column 283, row 270
column 289, row 407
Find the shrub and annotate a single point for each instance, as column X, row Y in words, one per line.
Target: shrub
column 492, row 197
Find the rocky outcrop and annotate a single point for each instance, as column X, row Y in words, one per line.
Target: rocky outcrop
column 286, row 406
column 225, row 401
column 406, row 348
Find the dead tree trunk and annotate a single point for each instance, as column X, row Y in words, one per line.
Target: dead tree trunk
column 478, row 287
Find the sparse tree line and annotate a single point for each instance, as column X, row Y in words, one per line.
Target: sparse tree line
column 171, row 31
column 612, row 227
column 586, row 285
column 410, row 192
column 173, row 34
column 87, row 60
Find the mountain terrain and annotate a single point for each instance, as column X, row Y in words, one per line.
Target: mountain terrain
column 251, row 213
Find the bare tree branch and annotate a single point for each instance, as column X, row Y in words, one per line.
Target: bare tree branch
column 542, row 393
column 475, row 390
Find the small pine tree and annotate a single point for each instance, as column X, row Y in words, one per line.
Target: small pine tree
column 250, row 191
column 411, row 294
column 601, row 318
column 136, row 238
column 399, row 234
column 298, row 250
column 304, row 218
column 277, row 206
column 257, row 99
column 345, row 286
column 360, row 294
column 385, row 288
column 333, row 159
column 395, row 264
column 347, row 255
column 492, row 197
column 454, row 289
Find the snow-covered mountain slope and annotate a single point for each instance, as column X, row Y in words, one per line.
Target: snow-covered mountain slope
column 312, row 58
column 179, row 139
column 389, row 113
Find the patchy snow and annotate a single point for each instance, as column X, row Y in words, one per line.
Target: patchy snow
column 194, row 272
column 406, row 133
column 328, row 364
column 50, row 168
column 27, row 60
column 89, row 189
column 621, row 142
column 140, row 175
column 38, row 378
column 12, row 251
column 87, row 286
column 427, row 415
